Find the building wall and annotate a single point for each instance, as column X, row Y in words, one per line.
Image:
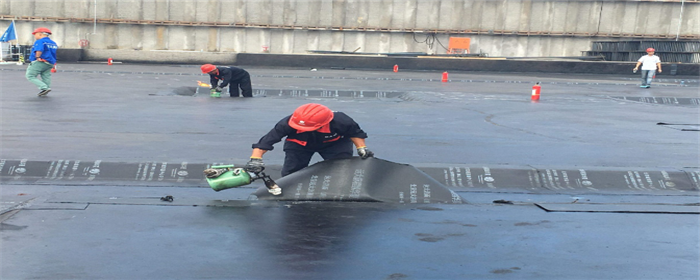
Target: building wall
column 496, row 27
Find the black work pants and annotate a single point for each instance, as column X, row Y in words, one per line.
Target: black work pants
column 242, row 83
column 296, row 160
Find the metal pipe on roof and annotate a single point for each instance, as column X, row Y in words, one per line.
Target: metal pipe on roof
column 94, row 27
column 680, row 20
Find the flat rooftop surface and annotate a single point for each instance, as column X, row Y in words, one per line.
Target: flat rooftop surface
column 597, row 180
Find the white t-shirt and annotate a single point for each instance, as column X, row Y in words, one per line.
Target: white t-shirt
column 649, row 62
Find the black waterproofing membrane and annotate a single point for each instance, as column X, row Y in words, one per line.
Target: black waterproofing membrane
column 356, row 179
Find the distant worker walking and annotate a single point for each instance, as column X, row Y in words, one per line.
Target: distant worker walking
column 650, row 63
column 230, row 76
column 42, row 59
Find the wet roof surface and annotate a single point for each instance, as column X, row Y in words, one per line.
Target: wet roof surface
column 110, row 141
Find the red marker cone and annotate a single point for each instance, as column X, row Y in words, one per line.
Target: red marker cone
column 536, row 92
column 53, row 70
column 444, row 77
column 109, row 61
column 396, row 68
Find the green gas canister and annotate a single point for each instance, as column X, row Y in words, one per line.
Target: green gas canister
column 221, row 177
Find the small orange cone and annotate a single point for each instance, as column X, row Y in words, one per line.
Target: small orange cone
column 396, row 68
column 445, row 77
column 53, row 70
column 109, row 61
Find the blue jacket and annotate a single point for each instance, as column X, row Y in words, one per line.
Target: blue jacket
column 47, row 47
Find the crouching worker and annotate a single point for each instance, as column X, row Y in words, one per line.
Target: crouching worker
column 230, row 76
column 313, row 128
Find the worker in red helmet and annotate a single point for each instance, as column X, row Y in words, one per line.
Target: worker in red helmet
column 42, row 60
column 312, row 128
column 230, row 76
column 650, row 63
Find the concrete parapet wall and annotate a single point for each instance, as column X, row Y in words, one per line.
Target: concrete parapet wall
column 368, row 62
column 180, row 57
column 450, row 64
column 498, row 28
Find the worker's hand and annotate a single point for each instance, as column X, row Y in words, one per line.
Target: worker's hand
column 364, row 153
column 219, row 89
column 660, row 71
column 255, row 165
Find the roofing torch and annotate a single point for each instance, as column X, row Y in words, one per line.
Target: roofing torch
column 223, row 177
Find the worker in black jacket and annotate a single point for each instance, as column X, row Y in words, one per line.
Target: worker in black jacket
column 313, row 128
column 233, row 77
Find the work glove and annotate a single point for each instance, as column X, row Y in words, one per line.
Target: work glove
column 255, row 165
column 364, row 153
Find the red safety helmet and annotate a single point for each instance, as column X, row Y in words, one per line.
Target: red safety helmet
column 651, row 50
column 310, row 117
column 206, row 68
column 42, row 30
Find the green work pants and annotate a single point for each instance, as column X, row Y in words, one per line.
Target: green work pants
column 40, row 68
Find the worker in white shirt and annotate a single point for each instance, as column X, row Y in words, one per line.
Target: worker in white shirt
column 650, row 63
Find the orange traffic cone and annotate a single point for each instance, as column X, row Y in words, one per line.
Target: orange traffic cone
column 444, row 77
column 396, row 68
column 109, row 61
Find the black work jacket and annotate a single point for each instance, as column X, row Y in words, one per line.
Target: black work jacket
column 226, row 75
column 340, row 129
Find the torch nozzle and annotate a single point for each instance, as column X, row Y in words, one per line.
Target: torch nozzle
column 272, row 187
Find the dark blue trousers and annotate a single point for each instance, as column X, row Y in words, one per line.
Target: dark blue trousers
column 297, row 159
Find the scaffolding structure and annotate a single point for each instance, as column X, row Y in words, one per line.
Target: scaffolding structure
column 668, row 51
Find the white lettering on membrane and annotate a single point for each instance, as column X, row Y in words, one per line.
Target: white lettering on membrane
column 153, row 171
column 459, row 177
column 163, row 168
column 468, row 174
column 297, row 195
column 356, row 187
column 584, row 176
column 649, row 180
column 326, row 185
column 75, row 168
column 94, row 170
column 426, row 193
column 63, row 169
column 455, row 197
column 565, row 176
column 312, row 186
column 414, row 193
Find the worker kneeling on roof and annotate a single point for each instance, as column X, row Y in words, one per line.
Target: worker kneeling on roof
column 230, row 76
column 313, row 128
